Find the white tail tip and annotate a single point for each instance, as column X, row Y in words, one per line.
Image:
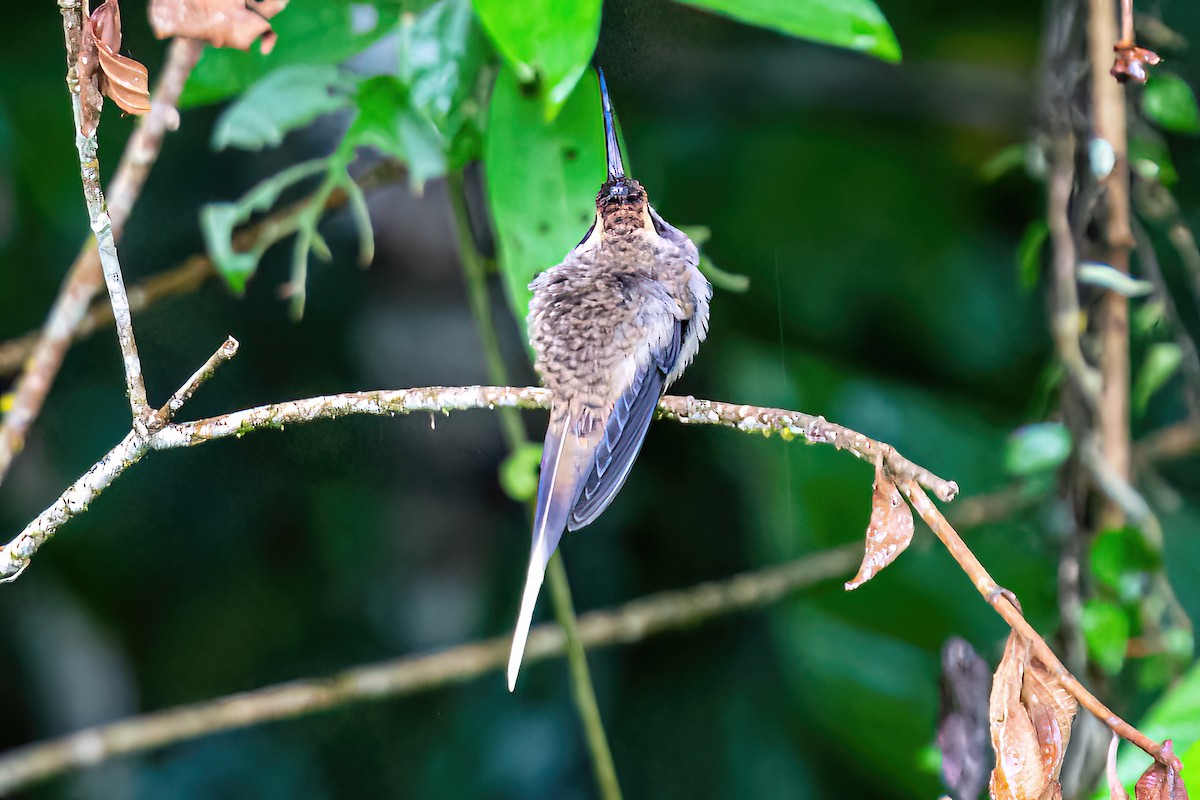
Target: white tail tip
column 533, row 585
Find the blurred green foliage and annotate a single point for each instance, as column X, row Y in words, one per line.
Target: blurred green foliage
column 883, row 295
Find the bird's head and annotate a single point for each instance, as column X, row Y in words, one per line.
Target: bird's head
column 621, row 204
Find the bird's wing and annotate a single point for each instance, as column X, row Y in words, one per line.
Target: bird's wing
column 624, row 431
column 566, row 459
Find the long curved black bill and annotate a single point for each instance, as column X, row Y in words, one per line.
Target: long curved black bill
column 616, row 167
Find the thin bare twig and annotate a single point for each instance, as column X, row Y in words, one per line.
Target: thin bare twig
column 15, row 555
column 994, row 594
column 101, row 222
column 1066, row 314
column 184, row 393
column 45, row 350
column 632, row 622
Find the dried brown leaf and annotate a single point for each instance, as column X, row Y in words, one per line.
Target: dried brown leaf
column 103, row 71
column 1131, row 62
column 1031, row 719
column 222, row 23
column 1159, row 782
column 889, row 532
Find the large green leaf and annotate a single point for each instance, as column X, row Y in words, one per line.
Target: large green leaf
column 286, row 99
column 310, row 32
column 549, row 42
column 855, row 24
column 542, row 179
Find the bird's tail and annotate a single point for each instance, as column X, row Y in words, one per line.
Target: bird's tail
column 566, row 462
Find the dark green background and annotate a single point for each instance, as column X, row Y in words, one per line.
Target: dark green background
column 884, row 296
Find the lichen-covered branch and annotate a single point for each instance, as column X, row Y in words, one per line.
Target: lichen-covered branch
column 101, row 222
column 15, row 555
column 633, row 622
column 812, row 429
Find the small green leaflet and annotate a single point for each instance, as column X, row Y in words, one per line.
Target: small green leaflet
column 1037, row 448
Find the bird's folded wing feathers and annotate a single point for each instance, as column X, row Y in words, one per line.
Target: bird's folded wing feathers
column 624, row 432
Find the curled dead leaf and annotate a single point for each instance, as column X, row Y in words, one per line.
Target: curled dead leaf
column 889, row 532
column 101, row 70
column 1131, row 62
column 221, row 23
column 1160, row 782
column 1030, row 716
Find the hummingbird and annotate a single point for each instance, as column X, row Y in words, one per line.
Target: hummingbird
column 612, row 327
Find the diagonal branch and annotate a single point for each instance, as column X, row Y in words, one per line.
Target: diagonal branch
column 1000, row 600
column 627, row 624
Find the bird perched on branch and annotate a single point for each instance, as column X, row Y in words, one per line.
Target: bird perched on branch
column 612, row 326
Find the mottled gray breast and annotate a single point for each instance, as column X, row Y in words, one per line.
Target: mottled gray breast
column 596, row 317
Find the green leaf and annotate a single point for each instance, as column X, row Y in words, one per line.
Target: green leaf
column 854, row 24
column 1160, row 363
column 310, row 32
column 519, row 472
column 388, row 122
column 1120, row 558
column 1106, row 628
column 286, row 99
column 1170, row 102
column 442, row 51
column 1008, row 159
column 547, row 42
column 1151, row 160
column 1037, row 448
column 1029, row 253
column 542, row 179
column 218, row 221
column 1149, row 317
